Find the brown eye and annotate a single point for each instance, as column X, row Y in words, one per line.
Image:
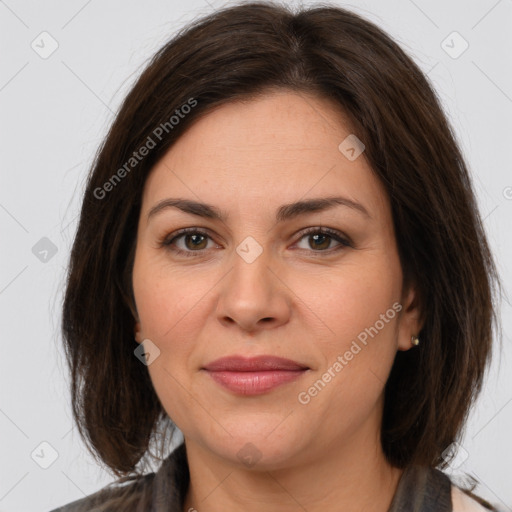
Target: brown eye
column 192, row 242
column 187, row 242
column 195, row 241
column 320, row 240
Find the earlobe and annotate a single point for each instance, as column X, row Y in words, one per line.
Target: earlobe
column 138, row 333
column 411, row 321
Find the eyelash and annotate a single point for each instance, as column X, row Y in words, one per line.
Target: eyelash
column 167, row 242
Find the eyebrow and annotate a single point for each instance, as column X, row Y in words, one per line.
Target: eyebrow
column 284, row 212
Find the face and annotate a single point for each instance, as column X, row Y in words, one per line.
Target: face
column 318, row 284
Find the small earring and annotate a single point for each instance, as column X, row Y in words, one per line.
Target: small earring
column 415, row 340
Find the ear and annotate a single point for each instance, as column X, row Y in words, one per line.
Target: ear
column 138, row 333
column 137, row 327
column 411, row 319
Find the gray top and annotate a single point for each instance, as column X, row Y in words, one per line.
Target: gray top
column 420, row 489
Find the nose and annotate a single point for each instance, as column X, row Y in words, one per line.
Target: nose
column 253, row 297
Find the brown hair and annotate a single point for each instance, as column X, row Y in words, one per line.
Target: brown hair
column 241, row 52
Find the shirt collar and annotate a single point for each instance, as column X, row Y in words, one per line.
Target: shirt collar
column 421, row 489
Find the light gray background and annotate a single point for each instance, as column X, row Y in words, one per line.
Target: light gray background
column 54, row 114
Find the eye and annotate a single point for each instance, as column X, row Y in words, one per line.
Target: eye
column 320, row 239
column 187, row 241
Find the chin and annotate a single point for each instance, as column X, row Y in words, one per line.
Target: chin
column 257, row 448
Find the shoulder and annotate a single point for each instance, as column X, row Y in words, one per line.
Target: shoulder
column 128, row 495
column 165, row 489
column 463, row 502
column 424, row 488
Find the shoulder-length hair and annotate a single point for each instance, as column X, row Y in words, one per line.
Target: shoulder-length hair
column 241, row 52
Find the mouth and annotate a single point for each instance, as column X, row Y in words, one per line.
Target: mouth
column 255, row 375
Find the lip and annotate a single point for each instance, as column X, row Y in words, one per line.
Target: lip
column 254, row 375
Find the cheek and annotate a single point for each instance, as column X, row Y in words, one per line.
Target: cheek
column 351, row 299
column 166, row 299
column 359, row 310
column 168, row 309
column 173, row 307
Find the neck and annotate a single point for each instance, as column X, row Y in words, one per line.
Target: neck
column 352, row 477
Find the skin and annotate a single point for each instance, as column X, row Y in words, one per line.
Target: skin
column 294, row 301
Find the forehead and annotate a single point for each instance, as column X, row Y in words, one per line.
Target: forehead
column 275, row 148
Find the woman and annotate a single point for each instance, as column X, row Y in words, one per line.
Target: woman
column 279, row 252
